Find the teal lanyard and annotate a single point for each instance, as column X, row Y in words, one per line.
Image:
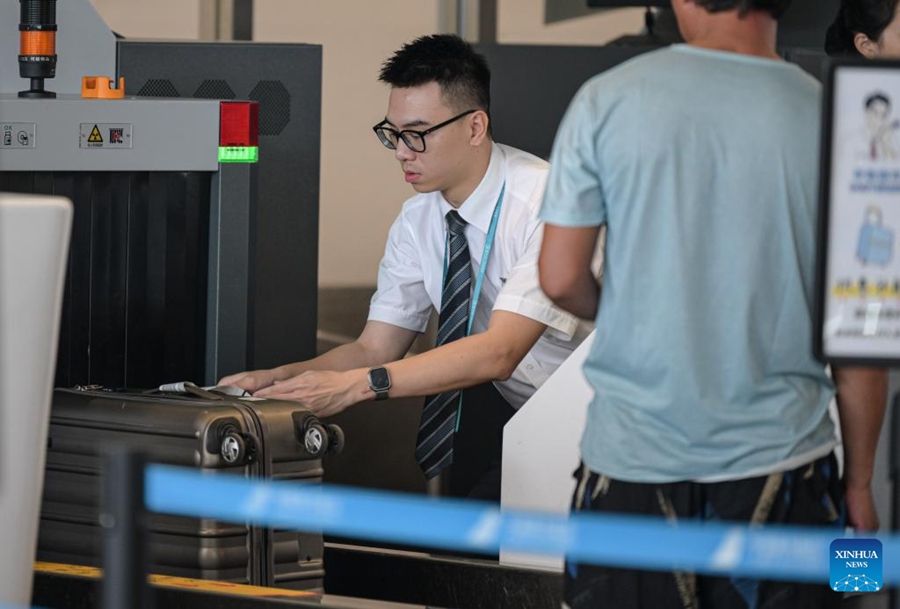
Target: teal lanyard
column 479, row 281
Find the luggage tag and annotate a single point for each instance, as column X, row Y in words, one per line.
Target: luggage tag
column 209, row 393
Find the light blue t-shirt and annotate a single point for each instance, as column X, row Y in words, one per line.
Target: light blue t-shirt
column 703, row 166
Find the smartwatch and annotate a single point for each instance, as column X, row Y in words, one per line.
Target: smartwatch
column 379, row 382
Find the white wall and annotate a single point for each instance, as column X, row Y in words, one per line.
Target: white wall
column 361, row 184
column 179, row 19
column 522, row 22
column 362, row 187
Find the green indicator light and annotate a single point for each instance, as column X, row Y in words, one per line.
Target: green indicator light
column 238, row 154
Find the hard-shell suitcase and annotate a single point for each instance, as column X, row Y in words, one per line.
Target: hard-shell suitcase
column 222, row 435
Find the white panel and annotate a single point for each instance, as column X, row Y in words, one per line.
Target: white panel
column 34, row 245
column 541, row 448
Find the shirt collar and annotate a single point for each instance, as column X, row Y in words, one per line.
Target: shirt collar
column 479, row 207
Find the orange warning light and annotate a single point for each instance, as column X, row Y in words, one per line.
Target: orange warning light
column 37, row 43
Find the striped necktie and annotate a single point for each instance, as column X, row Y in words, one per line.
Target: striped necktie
column 434, row 445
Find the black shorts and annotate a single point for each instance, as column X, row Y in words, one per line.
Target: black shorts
column 809, row 495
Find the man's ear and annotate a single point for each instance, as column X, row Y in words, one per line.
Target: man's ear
column 866, row 46
column 479, row 124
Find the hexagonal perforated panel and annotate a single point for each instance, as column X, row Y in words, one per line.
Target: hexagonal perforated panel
column 214, row 89
column 158, row 87
column 274, row 106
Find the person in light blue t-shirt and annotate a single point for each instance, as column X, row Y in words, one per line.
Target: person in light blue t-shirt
column 701, row 161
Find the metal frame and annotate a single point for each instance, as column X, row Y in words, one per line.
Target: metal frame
column 183, row 138
column 284, row 265
column 185, row 134
column 231, row 279
column 242, row 21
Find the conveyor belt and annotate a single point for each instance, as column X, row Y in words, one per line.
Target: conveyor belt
column 437, row 580
column 58, row 586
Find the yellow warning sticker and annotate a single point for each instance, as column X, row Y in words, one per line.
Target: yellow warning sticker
column 95, row 137
column 179, row 582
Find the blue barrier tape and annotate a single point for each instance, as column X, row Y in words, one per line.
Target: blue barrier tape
column 771, row 552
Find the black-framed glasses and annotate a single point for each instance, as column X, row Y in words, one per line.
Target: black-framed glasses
column 414, row 140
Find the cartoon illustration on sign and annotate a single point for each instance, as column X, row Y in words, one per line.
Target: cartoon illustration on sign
column 876, row 241
column 879, row 137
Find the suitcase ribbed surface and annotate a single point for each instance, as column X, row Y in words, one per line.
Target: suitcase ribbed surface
column 183, row 431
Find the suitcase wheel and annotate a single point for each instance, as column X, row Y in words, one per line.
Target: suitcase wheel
column 238, row 448
column 315, row 439
column 335, row 439
column 311, row 434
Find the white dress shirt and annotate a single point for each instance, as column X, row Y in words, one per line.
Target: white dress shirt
column 410, row 277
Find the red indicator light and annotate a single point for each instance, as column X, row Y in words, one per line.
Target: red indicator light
column 239, row 126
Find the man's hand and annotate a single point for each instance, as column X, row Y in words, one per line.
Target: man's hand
column 324, row 392
column 861, row 513
column 379, row 342
column 250, row 381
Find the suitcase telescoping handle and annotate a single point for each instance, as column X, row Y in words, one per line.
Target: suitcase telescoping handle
column 317, row 438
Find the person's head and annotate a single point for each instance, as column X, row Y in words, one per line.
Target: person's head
column 873, row 215
column 878, row 111
column 435, row 79
column 693, row 14
column 866, row 28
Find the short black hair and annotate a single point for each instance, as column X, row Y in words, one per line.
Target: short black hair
column 878, row 97
column 869, row 17
column 776, row 8
column 450, row 61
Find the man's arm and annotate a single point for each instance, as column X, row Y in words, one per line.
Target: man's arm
column 565, row 269
column 491, row 355
column 861, row 398
column 378, row 343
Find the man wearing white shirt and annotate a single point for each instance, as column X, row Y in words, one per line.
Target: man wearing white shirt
column 468, row 240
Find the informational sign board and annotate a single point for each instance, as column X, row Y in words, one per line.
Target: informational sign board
column 858, row 300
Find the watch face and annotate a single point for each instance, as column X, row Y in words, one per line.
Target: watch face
column 379, row 379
